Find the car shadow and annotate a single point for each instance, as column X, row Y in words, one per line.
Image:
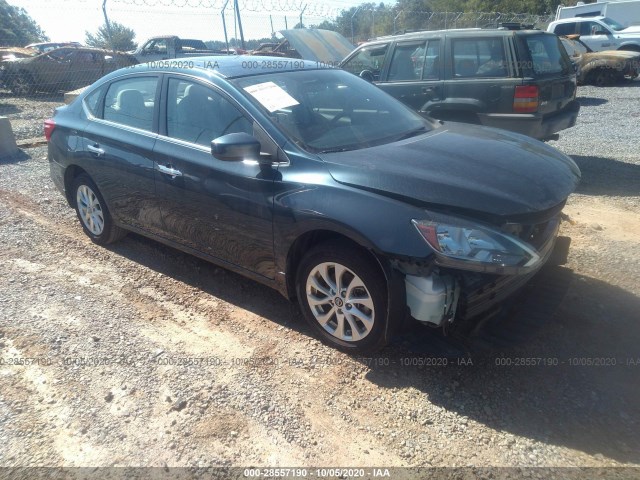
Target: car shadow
column 607, row 176
column 8, row 108
column 21, row 156
column 573, row 383
column 591, row 101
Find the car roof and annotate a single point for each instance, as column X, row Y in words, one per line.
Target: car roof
column 227, row 66
column 579, row 19
column 460, row 32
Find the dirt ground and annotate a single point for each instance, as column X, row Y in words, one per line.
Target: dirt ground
column 139, row 355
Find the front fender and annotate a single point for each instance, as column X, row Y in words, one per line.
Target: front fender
column 380, row 224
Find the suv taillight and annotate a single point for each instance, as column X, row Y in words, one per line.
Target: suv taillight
column 525, row 100
column 49, row 125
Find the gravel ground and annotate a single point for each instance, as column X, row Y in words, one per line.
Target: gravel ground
column 139, row 355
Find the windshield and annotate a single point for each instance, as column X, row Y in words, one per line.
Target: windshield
column 331, row 110
column 613, row 24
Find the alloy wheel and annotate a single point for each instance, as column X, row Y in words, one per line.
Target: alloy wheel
column 340, row 301
column 90, row 210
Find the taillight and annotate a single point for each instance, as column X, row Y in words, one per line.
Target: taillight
column 49, row 125
column 525, row 100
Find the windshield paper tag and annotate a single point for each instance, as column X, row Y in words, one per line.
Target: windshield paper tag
column 271, row 96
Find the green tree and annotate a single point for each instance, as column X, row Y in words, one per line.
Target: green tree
column 121, row 37
column 17, row 28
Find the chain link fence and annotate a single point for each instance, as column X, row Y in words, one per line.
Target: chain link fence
column 225, row 27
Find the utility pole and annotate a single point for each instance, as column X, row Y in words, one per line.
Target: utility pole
column 108, row 25
column 237, row 9
column 224, row 25
column 301, row 13
column 394, row 21
column 352, row 17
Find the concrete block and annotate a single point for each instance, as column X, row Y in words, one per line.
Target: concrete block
column 71, row 96
column 8, row 145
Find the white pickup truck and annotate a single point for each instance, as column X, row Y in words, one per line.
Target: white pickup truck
column 599, row 33
column 170, row 46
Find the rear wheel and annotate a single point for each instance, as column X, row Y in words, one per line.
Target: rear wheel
column 93, row 213
column 343, row 296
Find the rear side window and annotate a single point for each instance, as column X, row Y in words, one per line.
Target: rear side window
column 406, row 63
column 92, row 102
column 131, row 102
column 432, row 61
column 483, row 57
column 369, row 58
column 565, row 29
column 547, row 55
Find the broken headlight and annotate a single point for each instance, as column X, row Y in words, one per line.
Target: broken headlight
column 463, row 244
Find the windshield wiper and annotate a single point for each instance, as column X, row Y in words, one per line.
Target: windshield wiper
column 412, row 133
column 334, row 150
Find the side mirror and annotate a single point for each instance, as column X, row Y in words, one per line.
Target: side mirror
column 367, row 75
column 235, row 147
column 601, row 32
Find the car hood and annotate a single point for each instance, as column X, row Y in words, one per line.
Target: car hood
column 611, row 55
column 318, row 45
column 464, row 167
column 632, row 29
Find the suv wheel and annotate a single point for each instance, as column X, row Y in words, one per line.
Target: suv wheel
column 343, row 297
column 93, row 213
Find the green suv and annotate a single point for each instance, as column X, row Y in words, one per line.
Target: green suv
column 519, row 80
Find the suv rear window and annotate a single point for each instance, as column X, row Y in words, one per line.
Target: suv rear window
column 547, row 55
column 479, row 57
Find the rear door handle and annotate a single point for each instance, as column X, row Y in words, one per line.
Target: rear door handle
column 169, row 171
column 95, row 149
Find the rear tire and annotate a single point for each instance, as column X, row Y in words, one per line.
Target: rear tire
column 93, row 213
column 343, row 296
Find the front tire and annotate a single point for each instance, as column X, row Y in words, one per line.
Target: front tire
column 343, row 296
column 93, row 213
column 23, row 84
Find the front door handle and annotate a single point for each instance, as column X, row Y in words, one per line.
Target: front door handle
column 169, row 171
column 95, row 149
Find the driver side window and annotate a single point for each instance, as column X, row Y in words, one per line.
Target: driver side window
column 368, row 59
column 197, row 114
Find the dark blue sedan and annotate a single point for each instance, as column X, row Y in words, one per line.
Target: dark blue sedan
column 316, row 183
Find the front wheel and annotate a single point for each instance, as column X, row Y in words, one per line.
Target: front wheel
column 93, row 213
column 343, row 296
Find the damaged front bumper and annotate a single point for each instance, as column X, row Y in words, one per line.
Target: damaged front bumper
column 440, row 295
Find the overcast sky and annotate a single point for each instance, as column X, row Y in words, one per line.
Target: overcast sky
column 67, row 20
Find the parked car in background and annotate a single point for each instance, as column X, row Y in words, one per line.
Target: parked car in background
column 316, row 183
column 626, row 13
column 601, row 68
column 519, row 80
column 169, row 47
column 599, row 33
column 66, row 68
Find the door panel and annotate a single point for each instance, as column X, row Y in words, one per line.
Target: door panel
column 120, row 153
column 221, row 208
column 414, row 74
column 478, row 77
